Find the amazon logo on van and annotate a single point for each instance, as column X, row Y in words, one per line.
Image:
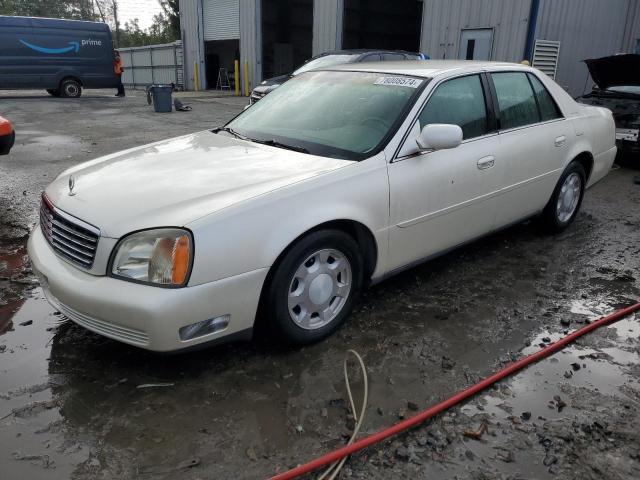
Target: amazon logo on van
column 71, row 46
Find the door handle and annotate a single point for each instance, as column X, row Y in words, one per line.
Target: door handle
column 486, row 162
column 560, row 141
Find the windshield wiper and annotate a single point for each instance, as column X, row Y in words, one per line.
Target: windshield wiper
column 274, row 143
column 231, row 131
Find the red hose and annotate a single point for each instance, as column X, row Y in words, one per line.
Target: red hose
column 451, row 401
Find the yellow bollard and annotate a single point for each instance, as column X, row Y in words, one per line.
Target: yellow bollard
column 246, row 79
column 196, row 76
column 236, row 73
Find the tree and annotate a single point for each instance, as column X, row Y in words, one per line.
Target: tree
column 164, row 29
column 70, row 9
column 171, row 10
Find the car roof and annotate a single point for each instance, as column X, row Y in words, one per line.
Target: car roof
column 362, row 51
column 425, row 68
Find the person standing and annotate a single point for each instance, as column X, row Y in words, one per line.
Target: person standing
column 118, row 69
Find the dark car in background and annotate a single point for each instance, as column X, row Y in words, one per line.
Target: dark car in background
column 617, row 87
column 59, row 56
column 329, row 59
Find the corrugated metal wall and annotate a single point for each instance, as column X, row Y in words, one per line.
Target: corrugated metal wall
column 587, row 29
column 220, row 19
column 192, row 42
column 250, row 41
column 443, row 20
column 327, row 25
column 160, row 64
column 631, row 37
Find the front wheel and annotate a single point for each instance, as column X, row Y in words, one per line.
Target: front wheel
column 566, row 199
column 314, row 287
column 70, row 88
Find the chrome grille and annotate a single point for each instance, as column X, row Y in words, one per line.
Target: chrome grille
column 71, row 238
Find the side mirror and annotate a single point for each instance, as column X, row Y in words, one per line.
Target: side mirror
column 439, row 136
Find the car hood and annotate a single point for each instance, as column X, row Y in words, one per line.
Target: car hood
column 615, row 70
column 275, row 80
column 174, row 182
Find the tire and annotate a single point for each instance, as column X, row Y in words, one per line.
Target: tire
column 70, row 88
column 566, row 199
column 323, row 271
column 53, row 92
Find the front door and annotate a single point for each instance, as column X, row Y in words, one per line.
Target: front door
column 440, row 199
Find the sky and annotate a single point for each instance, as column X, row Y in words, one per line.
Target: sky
column 143, row 10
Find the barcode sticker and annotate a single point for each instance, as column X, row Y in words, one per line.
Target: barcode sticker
column 399, row 81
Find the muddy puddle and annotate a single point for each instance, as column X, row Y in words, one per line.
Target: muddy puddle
column 76, row 405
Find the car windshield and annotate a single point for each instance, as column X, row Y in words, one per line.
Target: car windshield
column 634, row 89
column 326, row 61
column 334, row 114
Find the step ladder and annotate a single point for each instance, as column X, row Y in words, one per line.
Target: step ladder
column 223, row 80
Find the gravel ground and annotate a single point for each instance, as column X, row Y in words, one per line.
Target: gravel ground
column 73, row 406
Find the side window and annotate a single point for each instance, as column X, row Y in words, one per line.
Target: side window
column 548, row 108
column 460, row 102
column 516, row 100
column 391, row 57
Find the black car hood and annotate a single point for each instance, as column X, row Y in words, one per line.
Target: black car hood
column 615, row 70
column 275, row 80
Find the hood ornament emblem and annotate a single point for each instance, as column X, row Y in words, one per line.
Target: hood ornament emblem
column 72, row 184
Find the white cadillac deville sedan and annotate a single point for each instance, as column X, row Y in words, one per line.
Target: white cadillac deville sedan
column 337, row 179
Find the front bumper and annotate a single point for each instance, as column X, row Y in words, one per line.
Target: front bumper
column 141, row 315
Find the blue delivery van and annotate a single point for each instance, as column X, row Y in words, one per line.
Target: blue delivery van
column 59, row 56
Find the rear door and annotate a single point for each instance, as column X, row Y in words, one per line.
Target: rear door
column 440, row 199
column 533, row 143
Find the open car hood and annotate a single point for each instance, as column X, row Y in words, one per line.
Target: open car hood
column 615, row 70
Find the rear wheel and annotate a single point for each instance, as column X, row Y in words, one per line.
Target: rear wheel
column 53, row 92
column 70, row 88
column 314, row 287
column 566, row 199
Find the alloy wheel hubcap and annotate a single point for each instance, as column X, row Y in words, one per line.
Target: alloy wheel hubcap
column 569, row 197
column 319, row 289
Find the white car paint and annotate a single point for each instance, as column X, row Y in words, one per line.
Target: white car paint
column 246, row 203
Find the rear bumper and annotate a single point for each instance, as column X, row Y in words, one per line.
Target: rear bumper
column 601, row 165
column 141, row 315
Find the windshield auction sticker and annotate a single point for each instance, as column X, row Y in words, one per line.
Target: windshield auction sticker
column 399, row 81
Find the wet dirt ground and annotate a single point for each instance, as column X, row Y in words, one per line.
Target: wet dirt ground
column 76, row 405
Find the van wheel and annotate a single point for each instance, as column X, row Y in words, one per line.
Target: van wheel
column 53, row 92
column 70, row 88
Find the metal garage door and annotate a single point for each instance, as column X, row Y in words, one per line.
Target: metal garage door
column 221, row 19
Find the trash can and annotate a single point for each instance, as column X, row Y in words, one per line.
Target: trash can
column 161, row 97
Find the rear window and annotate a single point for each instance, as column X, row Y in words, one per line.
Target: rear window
column 516, row 100
column 548, row 108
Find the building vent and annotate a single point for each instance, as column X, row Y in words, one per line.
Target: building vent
column 221, row 19
column 545, row 56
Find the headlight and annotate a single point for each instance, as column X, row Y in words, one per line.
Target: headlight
column 160, row 257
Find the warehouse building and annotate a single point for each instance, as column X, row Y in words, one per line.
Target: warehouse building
column 273, row 37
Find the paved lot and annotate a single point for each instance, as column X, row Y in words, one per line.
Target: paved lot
column 72, row 408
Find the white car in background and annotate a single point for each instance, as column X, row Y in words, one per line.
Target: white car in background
column 337, row 179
